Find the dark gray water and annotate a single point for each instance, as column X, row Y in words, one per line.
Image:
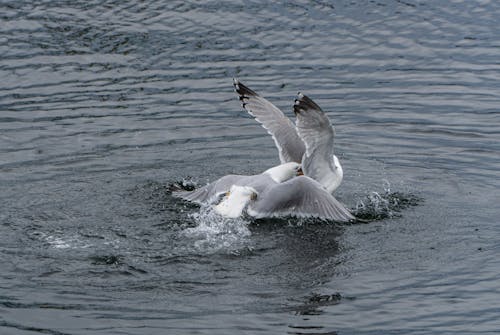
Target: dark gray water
column 104, row 105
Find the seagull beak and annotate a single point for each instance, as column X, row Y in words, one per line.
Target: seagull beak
column 300, row 172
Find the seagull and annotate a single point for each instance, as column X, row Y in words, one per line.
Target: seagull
column 309, row 141
column 277, row 192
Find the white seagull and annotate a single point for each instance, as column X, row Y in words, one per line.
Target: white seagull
column 276, row 192
column 309, row 141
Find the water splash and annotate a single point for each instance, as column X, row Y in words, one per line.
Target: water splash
column 185, row 184
column 386, row 204
column 214, row 233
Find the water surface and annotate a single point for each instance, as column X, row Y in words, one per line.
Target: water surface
column 105, row 104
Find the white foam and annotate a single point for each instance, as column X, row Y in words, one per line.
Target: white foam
column 59, row 241
column 66, row 242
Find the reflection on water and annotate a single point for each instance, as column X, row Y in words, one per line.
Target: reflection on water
column 105, row 105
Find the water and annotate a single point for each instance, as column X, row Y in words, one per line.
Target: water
column 105, row 105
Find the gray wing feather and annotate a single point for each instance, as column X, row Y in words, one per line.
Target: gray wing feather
column 300, row 197
column 314, row 127
column 210, row 193
column 290, row 146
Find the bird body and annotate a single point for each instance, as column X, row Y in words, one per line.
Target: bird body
column 276, row 192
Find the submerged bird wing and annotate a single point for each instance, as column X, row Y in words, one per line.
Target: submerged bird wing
column 314, row 128
column 210, row 193
column 281, row 128
column 300, row 197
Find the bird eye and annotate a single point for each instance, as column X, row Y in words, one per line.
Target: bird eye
column 253, row 196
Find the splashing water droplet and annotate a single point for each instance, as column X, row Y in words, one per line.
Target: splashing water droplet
column 378, row 206
column 214, row 233
column 387, row 186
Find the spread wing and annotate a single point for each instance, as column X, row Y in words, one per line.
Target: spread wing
column 314, row 127
column 210, row 193
column 300, row 197
column 290, row 146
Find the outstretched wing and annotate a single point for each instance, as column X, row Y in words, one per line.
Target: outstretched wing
column 314, row 127
column 300, row 197
column 290, row 146
column 210, row 193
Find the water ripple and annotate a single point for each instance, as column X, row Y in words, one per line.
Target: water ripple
column 104, row 104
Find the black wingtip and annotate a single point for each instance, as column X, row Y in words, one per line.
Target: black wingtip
column 304, row 103
column 242, row 90
column 298, row 105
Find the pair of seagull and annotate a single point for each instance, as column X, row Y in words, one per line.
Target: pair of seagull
column 301, row 186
